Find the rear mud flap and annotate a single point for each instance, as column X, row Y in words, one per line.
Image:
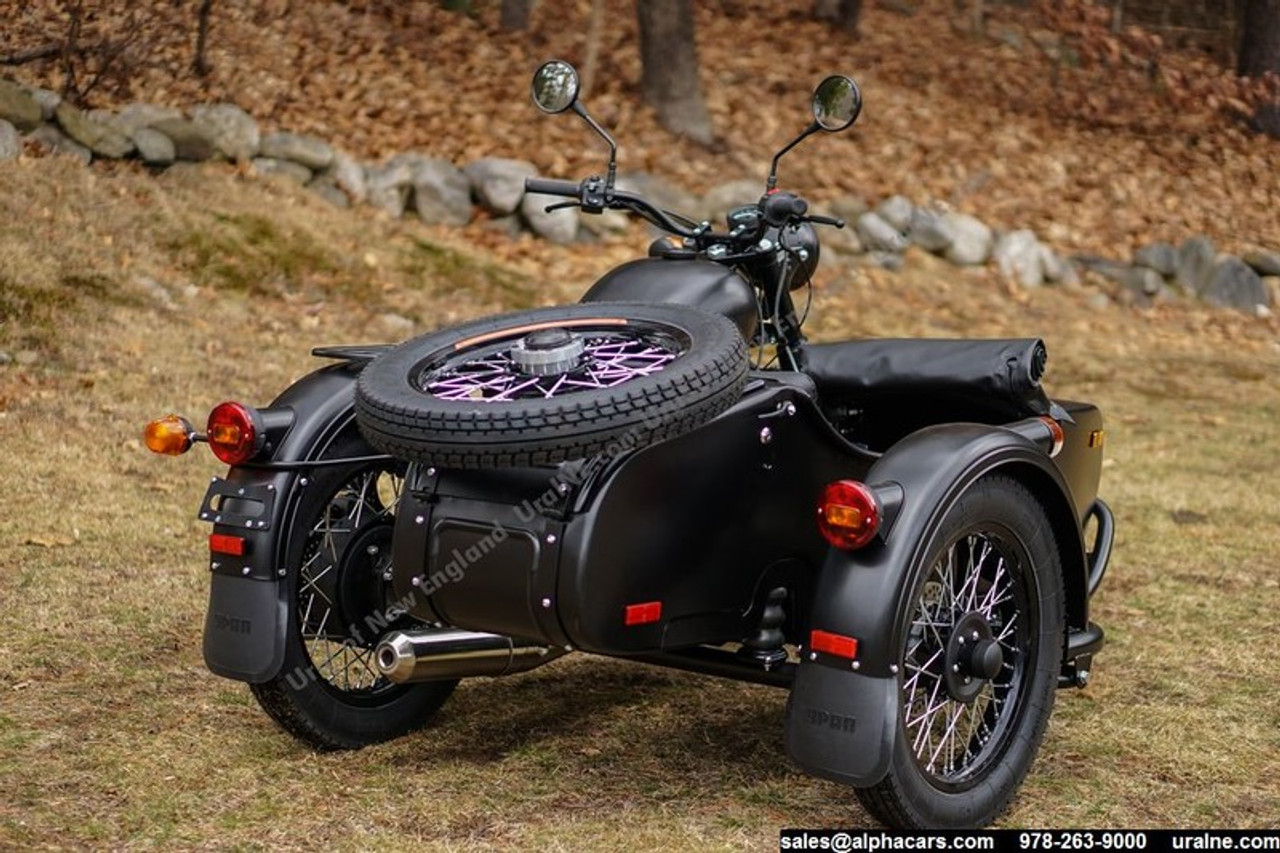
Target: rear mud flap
column 244, row 628
column 841, row 725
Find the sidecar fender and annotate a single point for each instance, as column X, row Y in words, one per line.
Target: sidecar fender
column 842, row 715
column 244, row 634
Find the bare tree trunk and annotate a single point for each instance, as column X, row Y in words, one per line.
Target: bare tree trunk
column 515, row 14
column 1260, row 54
column 669, row 56
column 844, row 13
column 201, row 63
column 595, row 31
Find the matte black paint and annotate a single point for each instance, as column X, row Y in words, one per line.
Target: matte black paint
column 699, row 283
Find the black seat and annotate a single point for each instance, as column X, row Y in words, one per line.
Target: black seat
column 934, row 380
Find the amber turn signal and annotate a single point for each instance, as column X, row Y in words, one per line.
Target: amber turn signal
column 848, row 514
column 171, row 435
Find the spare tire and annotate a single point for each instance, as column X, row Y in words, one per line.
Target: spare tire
column 550, row 385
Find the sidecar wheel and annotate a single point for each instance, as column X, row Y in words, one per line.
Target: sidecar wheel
column 546, row 386
column 329, row 693
column 978, row 663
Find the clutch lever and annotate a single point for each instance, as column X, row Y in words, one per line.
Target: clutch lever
column 561, row 205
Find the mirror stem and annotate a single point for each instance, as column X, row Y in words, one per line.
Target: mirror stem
column 773, row 167
column 613, row 146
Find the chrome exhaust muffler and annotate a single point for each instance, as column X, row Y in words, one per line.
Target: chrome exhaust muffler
column 435, row 654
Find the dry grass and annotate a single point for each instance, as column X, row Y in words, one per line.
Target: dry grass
column 112, row 733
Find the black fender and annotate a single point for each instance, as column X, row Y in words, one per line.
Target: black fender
column 249, row 600
column 842, row 715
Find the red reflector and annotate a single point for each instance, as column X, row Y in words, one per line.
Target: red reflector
column 643, row 614
column 221, row 543
column 848, row 514
column 833, row 644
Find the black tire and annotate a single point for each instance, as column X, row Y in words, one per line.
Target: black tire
column 329, row 693
column 696, row 366
column 996, row 561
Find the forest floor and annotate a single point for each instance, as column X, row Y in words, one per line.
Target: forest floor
column 126, row 296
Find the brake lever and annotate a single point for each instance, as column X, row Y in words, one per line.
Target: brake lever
column 825, row 220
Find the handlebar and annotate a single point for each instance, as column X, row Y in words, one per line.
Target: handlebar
column 549, row 186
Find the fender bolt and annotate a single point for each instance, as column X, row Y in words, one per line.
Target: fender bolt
column 546, row 602
column 551, row 539
column 766, row 435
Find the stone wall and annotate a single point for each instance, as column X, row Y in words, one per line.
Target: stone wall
column 441, row 192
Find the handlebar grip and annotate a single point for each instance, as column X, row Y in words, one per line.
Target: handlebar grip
column 549, row 186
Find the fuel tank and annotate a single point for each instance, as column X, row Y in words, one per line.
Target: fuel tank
column 682, row 281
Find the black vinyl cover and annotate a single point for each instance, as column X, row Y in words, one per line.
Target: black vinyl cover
column 1000, row 377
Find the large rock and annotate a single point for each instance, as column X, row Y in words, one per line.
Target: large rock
column 136, row 116
column 309, row 151
column 48, row 137
column 47, row 99
column 848, row 208
column 560, row 226
column 1196, row 259
column 725, row 197
column 1019, row 256
column 235, row 133
column 1057, row 269
column 18, row 107
column 897, row 210
column 389, row 185
column 441, row 192
column 192, row 141
column 282, row 168
column 325, row 187
column 1143, row 280
column 154, row 148
column 930, row 230
column 349, row 177
column 1264, row 263
column 101, row 138
column 1234, row 284
column 877, row 235
column 498, row 182
column 1160, row 257
column 971, row 244
column 10, row 142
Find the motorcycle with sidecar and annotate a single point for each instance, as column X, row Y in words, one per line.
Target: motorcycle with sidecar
column 903, row 534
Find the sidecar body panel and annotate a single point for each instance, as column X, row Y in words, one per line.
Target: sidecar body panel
column 865, row 594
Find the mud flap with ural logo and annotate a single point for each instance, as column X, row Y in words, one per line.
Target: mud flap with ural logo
column 841, row 725
column 243, row 628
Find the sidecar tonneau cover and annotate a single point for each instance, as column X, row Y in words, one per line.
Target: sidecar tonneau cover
column 1000, row 377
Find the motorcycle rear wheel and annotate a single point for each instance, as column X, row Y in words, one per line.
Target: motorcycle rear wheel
column 550, row 385
column 329, row 692
column 967, row 739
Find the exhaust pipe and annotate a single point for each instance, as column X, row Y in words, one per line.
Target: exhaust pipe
column 435, row 654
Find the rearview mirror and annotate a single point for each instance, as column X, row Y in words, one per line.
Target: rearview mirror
column 555, row 86
column 836, row 103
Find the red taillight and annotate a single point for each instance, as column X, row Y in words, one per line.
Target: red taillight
column 642, row 614
column 848, row 514
column 234, row 433
column 220, row 543
column 833, row 644
column 1057, row 436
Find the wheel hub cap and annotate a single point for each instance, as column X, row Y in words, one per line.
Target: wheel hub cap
column 547, row 352
column 973, row 657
